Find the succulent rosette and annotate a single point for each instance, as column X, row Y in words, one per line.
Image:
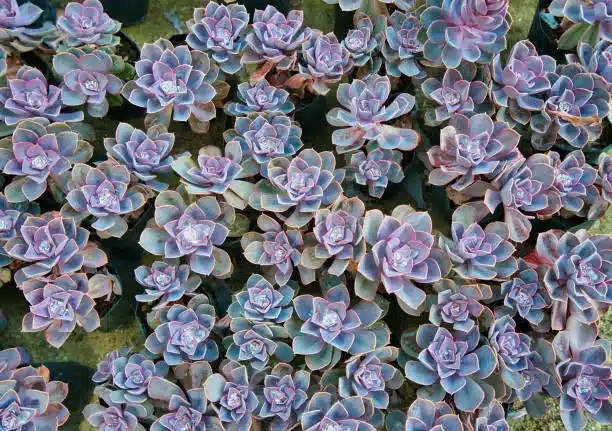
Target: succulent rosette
column 219, row 174
column 304, row 184
column 173, row 82
column 331, row 324
column 325, row 411
column 165, row 281
column 595, row 59
column 257, row 344
column 260, row 97
column 10, row 360
column 574, row 181
column 52, row 243
column 469, row 30
column 526, row 294
column 459, row 306
column 264, row 138
column 11, row 219
column 219, row 31
column 18, row 26
column 231, row 396
column 145, row 155
column 492, row 417
column 458, row 93
column 401, row 251
column 512, row 349
column 377, row 169
column 588, row 17
column 131, row 377
column 104, row 369
column 403, row 45
column 453, row 364
column 363, row 115
column 29, row 95
column 364, row 40
column 260, row 302
column 425, row 415
column 86, row 23
column 184, row 334
column 470, row 148
column 118, row 416
column 58, row 305
column 194, row 230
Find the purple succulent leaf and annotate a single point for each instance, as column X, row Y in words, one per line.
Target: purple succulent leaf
column 87, row 24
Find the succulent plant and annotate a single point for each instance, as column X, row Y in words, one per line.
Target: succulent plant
column 325, row 411
column 28, row 95
column 403, row 45
column 257, row 344
column 376, row 169
column 592, row 19
column 577, row 275
column 231, row 396
column 427, row 415
column 120, row 417
column 52, row 243
column 165, row 281
column 526, row 294
column 595, row 59
column 184, row 334
column 305, row 183
column 452, row 364
column 18, row 26
column 492, row 417
column 11, row 219
column 260, row 302
column 58, row 305
column 459, row 305
column 219, row 31
column 195, row 231
column 275, row 38
column 173, row 81
column 10, row 360
column 477, row 253
column 145, row 155
column 458, row 93
column 512, row 349
column 331, row 324
column 364, row 114
column 605, row 176
column 471, row 147
column 401, row 252
column 86, row 23
column 365, row 40
column 260, row 97
column 132, row 376
column 574, row 181
column 470, row 30
column 104, row 369
column 2, row 63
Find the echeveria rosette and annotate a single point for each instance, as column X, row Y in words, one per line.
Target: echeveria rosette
column 195, row 230
column 52, row 243
column 86, row 79
column 257, row 344
column 184, row 334
column 591, row 20
column 145, row 155
column 604, row 181
column 285, row 396
column 492, row 417
column 104, row 369
column 218, row 174
column 526, row 294
column 365, row 40
column 29, row 95
column 459, row 306
column 10, row 360
column 264, row 137
column 132, row 376
column 325, row 411
column 17, row 26
column 401, row 252
column 260, row 97
column 231, row 396
column 575, row 182
column 457, row 93
column 11, row 218
column 165, row 281
column 525, row 189
column 58, row 305
column 453, row 364
column 472, row 148
column 363, row 116
column 302, row 185
column 402, row 45
column 579, row 274
column 425, row 415
column 481, row 254
column 468, row 30
column 219, row 31
column 595, row 59
column 260, row 302
column 512, row 349
column 173, row 82
column 376, row 169
column 86, row 23
column 112, row 415
column 330, row 326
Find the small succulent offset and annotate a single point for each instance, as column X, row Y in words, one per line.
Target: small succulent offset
column 58, row 305
column 260, row 302
column 17, row 26
column 86, row 23
column 575, row 181
column 121, row 417
column 104, row 369
column 131, row 377
column 526, row 294
column 376, row 169
column 453, row 364
column 402, row 45
column 285, row 396
column 29, row 95
column 257, row 344
column 468, row 30
column 219, row 31
column 591, row 20
column 39, row 153
column 426, row 415
column 165, row 281
column 260, row 97
column 87, row 78
column 512, row 349
column 324, row 411
column 493, row 416
column 195, row 231
column 231, row 396
column 459, row 305
column 184, row 334
column 145, row 155
column 363, row 41
column 364, row 115
column 11, row 219
column 331, row 324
